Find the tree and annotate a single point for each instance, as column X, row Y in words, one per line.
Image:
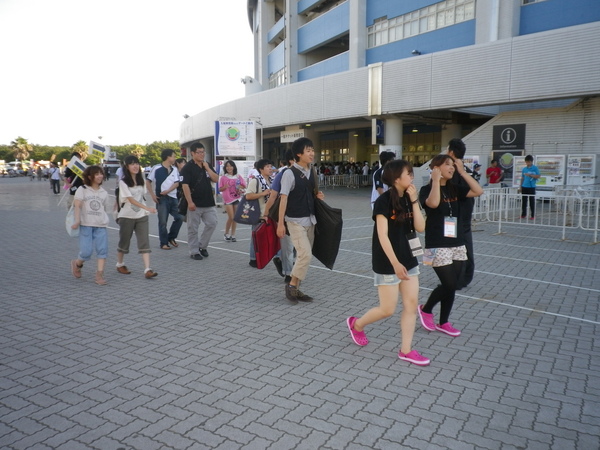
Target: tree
column 137, row 151
column 21, row 148
column 82, row 148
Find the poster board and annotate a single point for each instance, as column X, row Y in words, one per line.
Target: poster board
column 235, row 138
column 505, row 162
column 77, row 166
column 100, row 150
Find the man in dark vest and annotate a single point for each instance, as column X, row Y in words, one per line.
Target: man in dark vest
column 297, row 211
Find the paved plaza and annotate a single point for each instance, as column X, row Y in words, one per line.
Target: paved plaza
column 210, row 355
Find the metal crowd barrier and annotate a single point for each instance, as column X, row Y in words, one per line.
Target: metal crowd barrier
column 564, row 212
column 347, row 181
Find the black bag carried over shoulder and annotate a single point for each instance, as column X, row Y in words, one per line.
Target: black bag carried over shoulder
column 182, row 207
column 328, row 233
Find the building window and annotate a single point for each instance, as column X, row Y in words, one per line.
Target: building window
column 442, row 14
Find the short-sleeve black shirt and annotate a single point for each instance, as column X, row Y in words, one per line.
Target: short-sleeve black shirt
column 397, row 234
column 451, row 197
column 198, row 179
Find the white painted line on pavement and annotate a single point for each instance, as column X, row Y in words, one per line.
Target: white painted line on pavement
column 537, row 262
column 538, row 249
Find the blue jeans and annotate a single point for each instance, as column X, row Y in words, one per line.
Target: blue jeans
column 168, row 205
column 90, row 239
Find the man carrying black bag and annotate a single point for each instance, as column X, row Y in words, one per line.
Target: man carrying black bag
column 297, row 209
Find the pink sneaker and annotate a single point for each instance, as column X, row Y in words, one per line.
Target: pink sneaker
column 448, row 329
column 414, row 357
column 426, row 319
column 359, row 337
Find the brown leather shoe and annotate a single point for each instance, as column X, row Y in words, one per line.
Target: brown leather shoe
column 150, row 273
column 124, row 270
column 173, row 243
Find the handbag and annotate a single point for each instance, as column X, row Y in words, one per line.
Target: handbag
column 182, row 207
column 247, row 212
column 69, row 221
column 266, row 242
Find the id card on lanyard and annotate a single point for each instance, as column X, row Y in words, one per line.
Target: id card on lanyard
column 415, row 244
column 449, row 221
column 450, row 226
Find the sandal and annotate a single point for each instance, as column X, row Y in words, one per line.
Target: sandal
column 359, row 337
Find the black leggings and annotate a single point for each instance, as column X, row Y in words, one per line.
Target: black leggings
column 444, row 293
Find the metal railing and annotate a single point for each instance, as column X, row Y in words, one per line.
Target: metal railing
column 347, row 181
column 564, row 212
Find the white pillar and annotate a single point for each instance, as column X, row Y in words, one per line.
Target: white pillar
column 393, row 137
column 358, row 34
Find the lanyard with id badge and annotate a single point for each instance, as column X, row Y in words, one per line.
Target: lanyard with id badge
column 413, row 240
column 450, row 222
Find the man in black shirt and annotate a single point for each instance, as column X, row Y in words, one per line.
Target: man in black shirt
column 457, row 149
column 198, row 176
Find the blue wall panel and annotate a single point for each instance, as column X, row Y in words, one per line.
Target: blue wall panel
column 337, row 64
column 393, row 8
column 303, row 5
column 276, row 29
column 454, row 36
column 552, row 14
column 276, row 59
column 323, row 29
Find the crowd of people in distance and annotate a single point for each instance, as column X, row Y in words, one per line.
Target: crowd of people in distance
column 184, row 190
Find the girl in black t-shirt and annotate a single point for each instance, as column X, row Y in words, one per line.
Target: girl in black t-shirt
column 444, row 240
column 397, row 215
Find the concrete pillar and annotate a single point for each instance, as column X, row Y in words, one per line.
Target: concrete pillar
column 451, row 132
column 358, row 34
column 393, row 137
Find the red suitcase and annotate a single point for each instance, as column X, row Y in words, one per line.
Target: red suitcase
column 266, row 242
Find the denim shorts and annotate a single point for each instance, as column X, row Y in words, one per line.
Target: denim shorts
column 380, row 279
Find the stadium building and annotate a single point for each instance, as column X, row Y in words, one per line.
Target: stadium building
column 361, row 76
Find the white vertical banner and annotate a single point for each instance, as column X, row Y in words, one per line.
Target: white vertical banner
column 235, row 138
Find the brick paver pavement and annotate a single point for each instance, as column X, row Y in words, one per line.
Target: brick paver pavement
column 210, row 355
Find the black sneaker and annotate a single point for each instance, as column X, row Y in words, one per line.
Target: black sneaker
column 278, row 266
column 197, row 257
column 291, row 294
column 203, row 252
column 253, row 263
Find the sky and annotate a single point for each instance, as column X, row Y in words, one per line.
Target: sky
column 126, row 70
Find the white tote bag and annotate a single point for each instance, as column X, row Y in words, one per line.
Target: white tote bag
column 69, row 221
